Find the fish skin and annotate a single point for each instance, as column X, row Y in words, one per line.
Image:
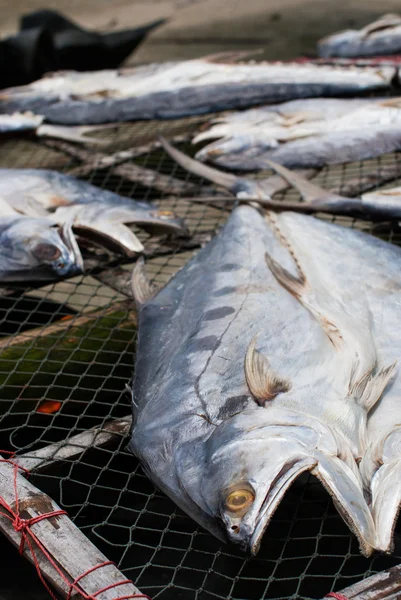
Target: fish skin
column 93, row 211
column 184, row 88
column 35, row 249
column 197, row 429
column 380, row 38
column 364, row 132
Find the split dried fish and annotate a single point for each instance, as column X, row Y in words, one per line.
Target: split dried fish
column 177, row 89
column 259, row 360
column 381, row 37
column 35, row 249
column 92, row 212
column 315, row 134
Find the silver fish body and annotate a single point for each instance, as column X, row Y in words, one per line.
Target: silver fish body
column 307, row 140
column 171, row 90
column 382, row 37
column 249, row 372
column 35, row 249
column 92, row 211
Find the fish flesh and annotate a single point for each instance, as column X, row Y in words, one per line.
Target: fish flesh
column 306, row 139
column 97, row 214
column 382, row 37
column 177, row 89
column 379, row 205
column 36, row 249
column 30, row 123
column 256, row 362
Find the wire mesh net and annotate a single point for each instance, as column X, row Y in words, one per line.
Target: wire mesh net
column 67, row 353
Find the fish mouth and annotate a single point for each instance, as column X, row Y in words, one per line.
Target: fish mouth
column 278, row 488
column 342, row 485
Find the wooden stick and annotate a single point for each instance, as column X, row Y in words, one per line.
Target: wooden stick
column 71, row 550
column 56, row 328
column 72, row 447
column 385, row 585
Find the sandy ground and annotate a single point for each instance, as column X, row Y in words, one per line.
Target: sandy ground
column 283, row 28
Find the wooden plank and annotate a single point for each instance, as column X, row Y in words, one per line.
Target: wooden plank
column 71, row 550
column 385, row 585
column 97, row 437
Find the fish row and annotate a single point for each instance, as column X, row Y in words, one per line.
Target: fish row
column 41, row 211
column 274, row 351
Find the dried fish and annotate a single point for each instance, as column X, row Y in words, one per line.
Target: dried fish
column 177, row 89
column 95, row 213
column 381, row 37
column 306, row 139
column 256, row 362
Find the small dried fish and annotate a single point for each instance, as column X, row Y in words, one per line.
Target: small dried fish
column 177, row 89
column 381, row 37
column 307, row 139
column 95, row 213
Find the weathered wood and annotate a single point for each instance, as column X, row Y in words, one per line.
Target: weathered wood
column 64, row 325
column 385, row 585
column 72, row 551
column 38, row 460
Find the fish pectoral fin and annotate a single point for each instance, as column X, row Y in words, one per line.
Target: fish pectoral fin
column 310, row 192
column 197, row 168
column 295, row 285
column 142, row 288
column 73, row 133
column 368, row 390
column 110, row 234
column 264, row 384
column 387, row 21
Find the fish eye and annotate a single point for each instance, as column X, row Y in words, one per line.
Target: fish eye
column 164, row 214
column 238, row 501
column 46, row 252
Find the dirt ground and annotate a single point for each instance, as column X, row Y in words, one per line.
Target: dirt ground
column 283, row 28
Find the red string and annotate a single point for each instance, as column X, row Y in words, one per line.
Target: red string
column 336, row 595
column 23, row 526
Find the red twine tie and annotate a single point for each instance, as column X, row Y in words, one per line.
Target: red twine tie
column 336, row 595
column 23, row 526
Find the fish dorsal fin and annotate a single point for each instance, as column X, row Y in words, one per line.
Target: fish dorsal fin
column 264, row 384
column 368, row 390
column 142, row 288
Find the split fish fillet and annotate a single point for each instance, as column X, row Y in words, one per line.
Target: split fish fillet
column 176, row 89
column 259, row 361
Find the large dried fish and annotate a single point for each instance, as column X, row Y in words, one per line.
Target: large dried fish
column 257, row 362
column 35, row 249
column 93, row 212
column 189, row 87
column 381, row 37
column 329, row 134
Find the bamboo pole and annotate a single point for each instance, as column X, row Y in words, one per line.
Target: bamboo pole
column 69, row 548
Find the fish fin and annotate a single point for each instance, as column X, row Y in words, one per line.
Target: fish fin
column 294, row 285
column 230, row 56
column 74, row 133
column 142, row 288
column 310, row 192
column 384, row 22
column 194, row 166
column 68, row 237
column 264, row 384
column 368, row 390
column 111, row 235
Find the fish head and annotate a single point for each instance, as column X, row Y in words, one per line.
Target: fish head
column 250, row 462
column 35, row 242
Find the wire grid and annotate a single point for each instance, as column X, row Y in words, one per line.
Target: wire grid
column 307, row 551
